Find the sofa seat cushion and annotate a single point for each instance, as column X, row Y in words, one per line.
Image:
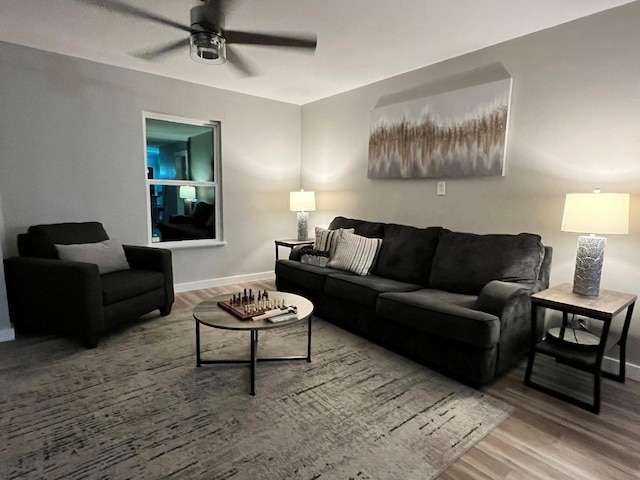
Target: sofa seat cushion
column 466, row 262
column 124, row 284
column 444, row 314
column 407, row 253
column 364, row 290
column 312, row 277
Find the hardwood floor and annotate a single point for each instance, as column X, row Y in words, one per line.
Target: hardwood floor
column 543, row 438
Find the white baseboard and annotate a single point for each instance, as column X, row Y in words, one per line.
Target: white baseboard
column 7, row 334
column 632, row 372
column 221, row 282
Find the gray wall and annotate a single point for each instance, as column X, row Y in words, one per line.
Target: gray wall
column 575, row 125
column 72, row 149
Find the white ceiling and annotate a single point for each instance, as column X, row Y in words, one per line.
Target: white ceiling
column 359, row 41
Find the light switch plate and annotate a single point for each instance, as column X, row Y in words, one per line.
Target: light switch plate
column 441, row 188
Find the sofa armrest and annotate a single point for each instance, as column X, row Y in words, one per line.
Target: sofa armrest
column 156, row 259
column 55, row 294
column 511, row 303
column 496, row 295
column 295, row 253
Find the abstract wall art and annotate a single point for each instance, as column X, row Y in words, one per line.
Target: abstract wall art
column 454, row 134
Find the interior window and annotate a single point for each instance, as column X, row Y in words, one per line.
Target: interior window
column 183, row 165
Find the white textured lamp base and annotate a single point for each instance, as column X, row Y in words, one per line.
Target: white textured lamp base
column 303, row 224
column 589, row 260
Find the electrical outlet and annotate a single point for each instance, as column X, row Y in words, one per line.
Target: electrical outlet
column 441, row 188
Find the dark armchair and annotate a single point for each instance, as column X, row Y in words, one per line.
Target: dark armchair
column 73, row 297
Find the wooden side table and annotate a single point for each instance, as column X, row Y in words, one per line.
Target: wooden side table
column 586, row 357
column 292, row 243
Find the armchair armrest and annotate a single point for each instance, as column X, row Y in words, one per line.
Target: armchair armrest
column 156, row 259
column 55, row 294
column 148, row 258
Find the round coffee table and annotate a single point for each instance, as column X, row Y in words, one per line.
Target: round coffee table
column 210, row 314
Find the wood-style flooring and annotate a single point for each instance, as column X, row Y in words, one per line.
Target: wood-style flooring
column 543, row 438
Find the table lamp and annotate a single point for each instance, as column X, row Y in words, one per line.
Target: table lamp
column 593, row 213
column 187, row 193
column 302, row 202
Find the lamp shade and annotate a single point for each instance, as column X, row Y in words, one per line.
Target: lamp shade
column 187, row 191
column 602, row 213
column 302, row 201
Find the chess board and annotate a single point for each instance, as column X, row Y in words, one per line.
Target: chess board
column 237, row 310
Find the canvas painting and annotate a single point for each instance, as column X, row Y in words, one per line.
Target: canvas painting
column 455, row 134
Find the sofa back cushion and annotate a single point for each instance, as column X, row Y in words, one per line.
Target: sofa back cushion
column 361, row 227
column 466, row 262
column 407, row 253
column 43, row 238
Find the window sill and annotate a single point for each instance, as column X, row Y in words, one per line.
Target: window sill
column 189, row 244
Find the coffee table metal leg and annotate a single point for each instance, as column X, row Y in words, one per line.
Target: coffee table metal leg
column 254, row 341
column 198, row 362
column 309, row 339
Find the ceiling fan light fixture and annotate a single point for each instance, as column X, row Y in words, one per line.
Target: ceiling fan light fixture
column 208, row 47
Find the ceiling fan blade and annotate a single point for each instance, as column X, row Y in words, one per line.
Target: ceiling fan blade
column 162, row 50
column 121, row 7
column 241, row 67
column 264, row 39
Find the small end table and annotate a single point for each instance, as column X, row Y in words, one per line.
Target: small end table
column 575, row 351
column 292, row 243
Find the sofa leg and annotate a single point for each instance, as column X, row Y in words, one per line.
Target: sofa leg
column 164, row 311
column 90, row 342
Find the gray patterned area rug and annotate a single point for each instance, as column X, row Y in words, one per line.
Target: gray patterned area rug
column 138, row 408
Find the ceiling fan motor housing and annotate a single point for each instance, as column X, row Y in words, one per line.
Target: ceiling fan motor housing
column 207, row 42
column 207, row 47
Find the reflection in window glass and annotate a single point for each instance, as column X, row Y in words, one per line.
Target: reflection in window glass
column 182, row 176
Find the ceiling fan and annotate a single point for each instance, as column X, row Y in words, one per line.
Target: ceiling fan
column 207, row 40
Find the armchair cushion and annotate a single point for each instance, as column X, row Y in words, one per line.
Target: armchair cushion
column 124, row 284
column 108, row 255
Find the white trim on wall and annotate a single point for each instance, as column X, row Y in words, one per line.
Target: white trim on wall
column 220, row 282
column 613, row 365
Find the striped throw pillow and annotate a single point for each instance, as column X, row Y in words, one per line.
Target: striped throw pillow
column 328, row 240
column 355, row 254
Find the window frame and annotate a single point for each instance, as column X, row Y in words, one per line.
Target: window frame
column 216, row 127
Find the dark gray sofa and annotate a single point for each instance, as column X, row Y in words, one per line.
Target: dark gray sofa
column 457, row 301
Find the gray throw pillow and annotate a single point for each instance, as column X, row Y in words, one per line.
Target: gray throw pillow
column 108, row 255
